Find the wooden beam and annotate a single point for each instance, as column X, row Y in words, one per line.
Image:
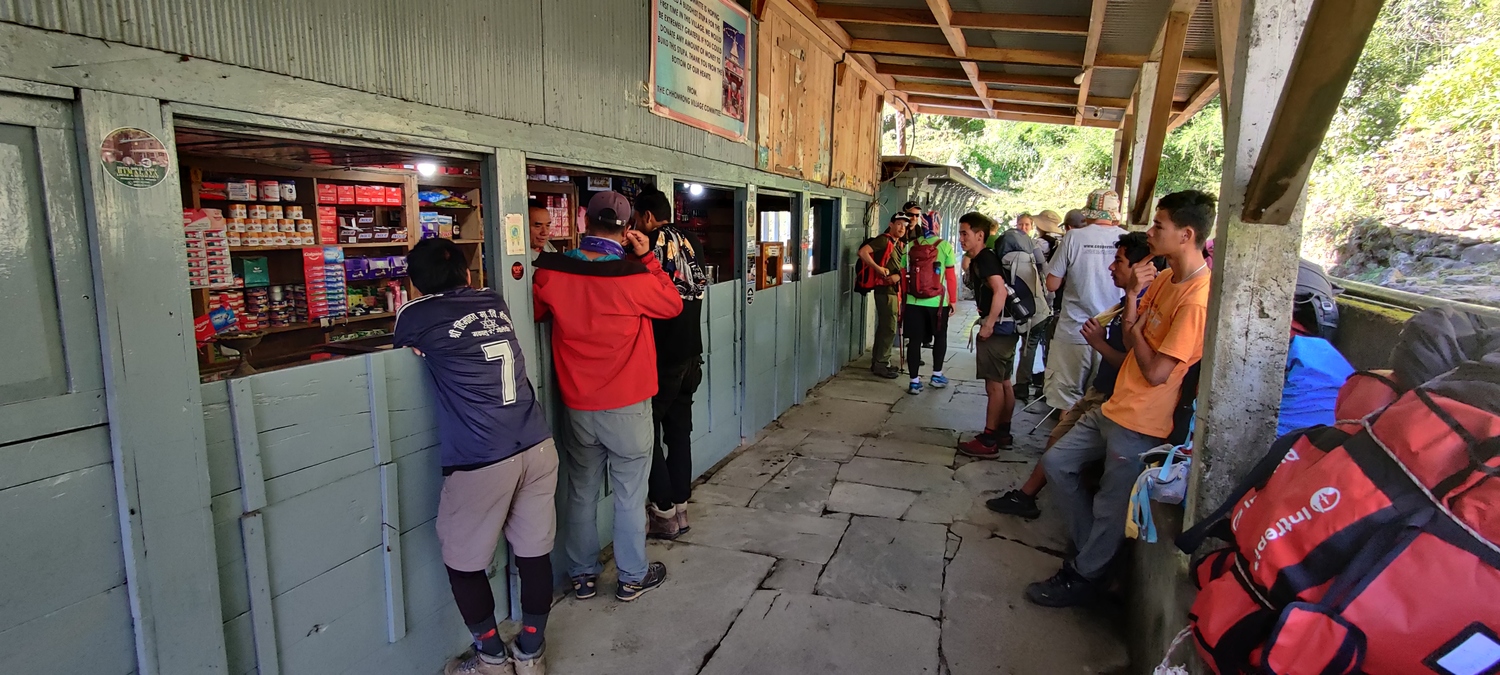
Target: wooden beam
column 949, row 90
column 943, row 14
column 1090, row 52
column 1063, row 120
column 1200, row 98
column 1331, row 44
column 985, row 54
column 1175, row 37
column 1046, row 98
column 1131, row 62
column 1025, row 23
column 942, row 102
column 1226, row 37
column 988, row 77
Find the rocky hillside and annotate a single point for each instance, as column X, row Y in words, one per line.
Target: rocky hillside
column 1438, row 228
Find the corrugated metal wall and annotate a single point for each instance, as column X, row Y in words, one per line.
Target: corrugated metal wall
column 573, row 64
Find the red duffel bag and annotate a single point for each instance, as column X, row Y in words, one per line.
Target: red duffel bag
column 1368, row 546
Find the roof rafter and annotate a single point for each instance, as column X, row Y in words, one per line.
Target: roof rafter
column 943, row 14
column 1018, row 56
column 1090, row 51
column 1026, row 23
column 988, row 77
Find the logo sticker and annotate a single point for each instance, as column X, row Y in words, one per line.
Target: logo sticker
column 1324, row 500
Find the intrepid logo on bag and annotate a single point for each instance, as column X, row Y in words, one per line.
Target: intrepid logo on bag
column 1322, row 501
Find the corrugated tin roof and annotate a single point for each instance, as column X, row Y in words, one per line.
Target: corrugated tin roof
column 1200, row 36
column 1113, row 82
column 1131, row 26
column 877, row 31
column 1014, row 40
column 1050, row 7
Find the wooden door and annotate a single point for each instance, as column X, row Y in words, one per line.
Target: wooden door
column 63, row 600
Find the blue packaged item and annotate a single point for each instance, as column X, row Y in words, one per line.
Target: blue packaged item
column 1315, row 370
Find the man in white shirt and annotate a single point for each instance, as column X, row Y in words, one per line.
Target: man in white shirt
column 1083, row 262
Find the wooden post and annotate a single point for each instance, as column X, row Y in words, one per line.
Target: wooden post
column 1159, row 114
column 1249, row 311
column 1145, row 96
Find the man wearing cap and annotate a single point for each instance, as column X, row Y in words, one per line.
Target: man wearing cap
column 1048, row 232
column 882, row 254
column 601, row 298
column 1083, row 261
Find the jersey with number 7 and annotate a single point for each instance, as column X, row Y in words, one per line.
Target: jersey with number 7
column 487, row 408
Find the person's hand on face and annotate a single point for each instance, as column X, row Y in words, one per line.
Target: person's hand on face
column 637, row 243
column 1141, row 276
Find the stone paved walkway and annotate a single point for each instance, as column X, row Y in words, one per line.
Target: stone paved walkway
column 850, row 538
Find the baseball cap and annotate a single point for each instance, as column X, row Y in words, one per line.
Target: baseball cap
column 609, row 208
column 911, row 205
column 1048, row 221
column 1103, row 204
column 901, row 216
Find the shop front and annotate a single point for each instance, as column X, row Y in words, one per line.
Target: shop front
column 210, row 454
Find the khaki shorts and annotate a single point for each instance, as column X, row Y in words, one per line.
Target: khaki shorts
column 514, row 496
column 1091, row 399
column 995, row 358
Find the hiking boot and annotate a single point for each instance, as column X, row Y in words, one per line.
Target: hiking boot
column 1015, row 503
column 656, row 573
column 528, row 664
column 682, row 522
column 585, row 587
column 1067, row 588
column 661, row 524
column 915, row 388
column 938, row 381
column 477, row 665
column 885, row 371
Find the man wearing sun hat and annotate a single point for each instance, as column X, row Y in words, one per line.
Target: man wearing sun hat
column 1082, row 261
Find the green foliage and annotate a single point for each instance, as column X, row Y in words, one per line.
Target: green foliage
column 1193, row 154
column 1465, row 94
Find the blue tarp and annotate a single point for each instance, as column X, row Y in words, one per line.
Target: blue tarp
column 1314, row 372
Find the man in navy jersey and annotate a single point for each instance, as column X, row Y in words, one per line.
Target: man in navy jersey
column 499, row 463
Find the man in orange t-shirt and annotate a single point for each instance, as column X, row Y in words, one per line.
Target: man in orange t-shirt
column 1163, row 338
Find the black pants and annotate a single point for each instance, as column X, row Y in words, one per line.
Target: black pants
column 919, row 323
column 672, row 412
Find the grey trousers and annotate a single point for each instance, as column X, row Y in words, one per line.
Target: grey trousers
column 617, row 442
column 887, row 306
column 1096, row 523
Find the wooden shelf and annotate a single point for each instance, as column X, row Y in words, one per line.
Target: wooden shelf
column 447, row 181
column 292, row 327
column 450, row 208
column 467, row 241
column 375, row 244
column 367, row 317
column 240, row 249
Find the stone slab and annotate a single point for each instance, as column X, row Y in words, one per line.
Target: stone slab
column 907, row 451
column 794, row 634
column 793, row 576
column 890, row 563
column 783, row 535
column 954, row 418
column 704, row 592
column 754, row 467
column 832, row 446
column 856, row 418
column 780, row 438
column 728, row 495
column 802, row 487
column 894, row 474
column 880, row 391
column 943, row 504
column 940, row 437
column 931, row 397
column 989, row 628
column 1048, row 532
column 869, row 500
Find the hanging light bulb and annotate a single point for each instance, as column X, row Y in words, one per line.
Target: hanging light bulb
column 695, row 189
column 427, row 169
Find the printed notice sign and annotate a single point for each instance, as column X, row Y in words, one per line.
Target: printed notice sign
column 135, row 158
column 700, row 62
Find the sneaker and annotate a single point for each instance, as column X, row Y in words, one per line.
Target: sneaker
column 1015, row 503
column 476, row 665
column 982, row 446
column 584, row 587
column 915, row 388
column 661, row 524
column 682, row 521
column 528, row 664
column 938, row 381
column 656, row 573
column 1067, row 588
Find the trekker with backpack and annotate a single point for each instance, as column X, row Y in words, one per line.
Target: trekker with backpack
column 931, row 288
column 1163, row 339
column 996, row 348
column 880, row 275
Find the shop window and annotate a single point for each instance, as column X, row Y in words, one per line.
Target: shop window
column 823, row 236
column 709, row 213
column 564, row 193
column 778, row 223
column 297, row 248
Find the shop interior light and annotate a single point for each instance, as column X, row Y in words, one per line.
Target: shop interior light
column 695, row 189
column 427, row 168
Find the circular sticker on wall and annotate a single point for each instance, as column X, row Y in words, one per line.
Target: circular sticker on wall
column 135, row 158
column 517, row 270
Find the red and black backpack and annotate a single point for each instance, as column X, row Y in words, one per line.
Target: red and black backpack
column 867, row 278
column 1369, row 546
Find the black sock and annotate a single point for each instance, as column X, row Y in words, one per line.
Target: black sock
column 1002, row 429
column 487, row 637
column 533, row 633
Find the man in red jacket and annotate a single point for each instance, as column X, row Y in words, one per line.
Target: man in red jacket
column 601, row 299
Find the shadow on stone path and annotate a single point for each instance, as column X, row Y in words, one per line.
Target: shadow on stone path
column 850, row 538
